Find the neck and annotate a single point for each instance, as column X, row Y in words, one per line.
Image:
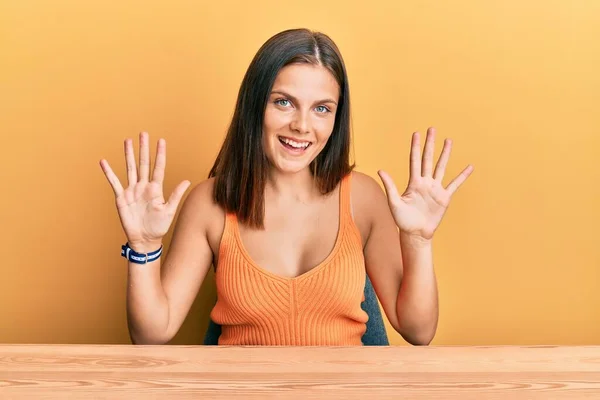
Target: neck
column 298, row 186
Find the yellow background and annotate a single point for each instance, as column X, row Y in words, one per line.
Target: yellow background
column 515, row 84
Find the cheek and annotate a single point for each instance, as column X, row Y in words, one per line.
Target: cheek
column 271, row 125
column 324, row 129
column 273, row 120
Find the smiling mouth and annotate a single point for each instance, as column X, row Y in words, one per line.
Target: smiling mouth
column 294, row 145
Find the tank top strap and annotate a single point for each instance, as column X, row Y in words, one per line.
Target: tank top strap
column 345, row 203
column 232, row 226
column 228, row 235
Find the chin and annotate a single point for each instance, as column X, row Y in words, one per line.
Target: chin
column 287, row 167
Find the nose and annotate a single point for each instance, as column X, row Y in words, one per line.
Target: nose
column 301, row 123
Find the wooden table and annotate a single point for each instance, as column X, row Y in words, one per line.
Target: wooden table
column 199, row 372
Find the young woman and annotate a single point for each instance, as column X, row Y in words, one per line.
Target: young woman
column 290, row 227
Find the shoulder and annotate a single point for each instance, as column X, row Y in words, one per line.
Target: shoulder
column 201, row 195
column 199, row 205
column 202, row 214
column 366, row 191
column 368, row 202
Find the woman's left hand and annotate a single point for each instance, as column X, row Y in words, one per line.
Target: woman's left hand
column 420, row 209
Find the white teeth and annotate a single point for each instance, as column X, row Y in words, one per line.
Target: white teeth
column 295, row 144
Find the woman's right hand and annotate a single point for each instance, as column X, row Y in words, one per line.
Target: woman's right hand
column 144, row 214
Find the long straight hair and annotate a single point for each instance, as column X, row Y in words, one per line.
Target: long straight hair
column 241, row 167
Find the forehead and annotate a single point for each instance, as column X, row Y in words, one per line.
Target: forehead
column 307, row 81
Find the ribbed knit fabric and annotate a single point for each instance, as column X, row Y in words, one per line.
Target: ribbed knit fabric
column 321, row 307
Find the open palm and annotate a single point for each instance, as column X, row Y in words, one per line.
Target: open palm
column 144, row 214
column 420, row 209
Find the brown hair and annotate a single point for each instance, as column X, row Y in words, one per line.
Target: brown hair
column 241, row 167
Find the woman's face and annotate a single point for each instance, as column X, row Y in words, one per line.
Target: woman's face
column 299, row 116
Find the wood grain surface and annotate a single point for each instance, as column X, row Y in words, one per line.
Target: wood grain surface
column 211, row 372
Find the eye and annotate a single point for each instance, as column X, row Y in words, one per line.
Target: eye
column 282, row 102
column 323, row 109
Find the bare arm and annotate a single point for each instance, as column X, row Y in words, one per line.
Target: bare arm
column 159, row 297
column 401, row 271
column 399, row 247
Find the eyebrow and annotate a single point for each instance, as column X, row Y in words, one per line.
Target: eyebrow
column 295, row 100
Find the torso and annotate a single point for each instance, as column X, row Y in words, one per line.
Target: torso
column 299, row 281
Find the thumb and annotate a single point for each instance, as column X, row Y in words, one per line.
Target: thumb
column 177, row 194
column 390, row 188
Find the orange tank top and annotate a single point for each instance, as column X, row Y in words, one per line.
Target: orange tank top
column 321, row 307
